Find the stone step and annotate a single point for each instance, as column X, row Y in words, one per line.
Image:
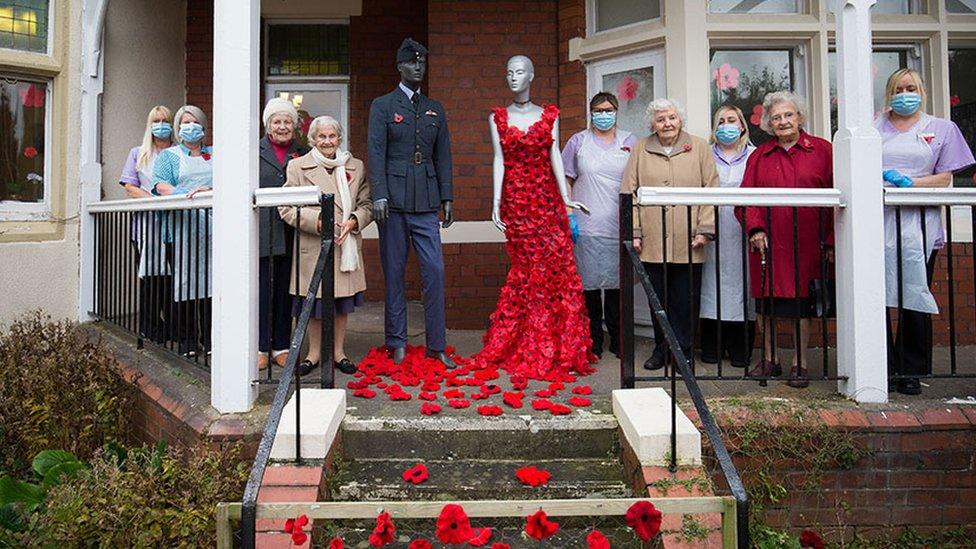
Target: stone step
column 379, row 480
column 523, row 437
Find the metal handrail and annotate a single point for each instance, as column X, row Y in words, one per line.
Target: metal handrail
column 323, row 270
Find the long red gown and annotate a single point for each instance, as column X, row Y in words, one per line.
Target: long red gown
column 540, row 328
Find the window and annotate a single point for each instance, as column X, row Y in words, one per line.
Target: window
column 754, row 6
column 23, row 146
column 308, row 50
column 961, row 6
column 962, row 102
column 610, row 14
column 23, row 25
column 635, row 79
column 884, row 61
column 887, row 6
column 743, row 77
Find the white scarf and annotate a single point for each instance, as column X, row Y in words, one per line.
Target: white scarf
column 349, row 251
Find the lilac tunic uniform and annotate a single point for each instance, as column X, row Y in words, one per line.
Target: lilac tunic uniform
column 147, row 232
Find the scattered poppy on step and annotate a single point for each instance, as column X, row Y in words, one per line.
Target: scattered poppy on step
column 556, row 386
column 336, row 543
column 453, row 526
column 364, row 393
column 384, row 532
column 420, row 544
column 533, row 476
column 644, row 519
column 560, row 410
column 580, row 402
column 596, row 540
column 544, row 393
column 490, row 410
column 500, row 546
column 294, row 527
column 416, row 474
column 582, row 390
column 454, row 393
column 427, row 396
column 539, row 527
column 458, row 403
column 429, row 409
column 541, row 404
column 480, row 537
column 512, row 399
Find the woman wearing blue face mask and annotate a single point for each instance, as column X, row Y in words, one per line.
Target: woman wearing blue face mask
column 136, row 179
column 918, row 150
column 594, row 162
column 186, row 169
column 736, row 329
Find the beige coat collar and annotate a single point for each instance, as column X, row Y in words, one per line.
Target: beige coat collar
column 682, row 144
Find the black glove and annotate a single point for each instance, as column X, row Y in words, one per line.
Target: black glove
column 448, row 214
column 380, row 210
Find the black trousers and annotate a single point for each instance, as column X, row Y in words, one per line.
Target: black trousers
column 155, row 293
column 274, row 304
column 914, row 337
column 191, row 320
column 678, row 288
column 603, row 305
column 738, row 339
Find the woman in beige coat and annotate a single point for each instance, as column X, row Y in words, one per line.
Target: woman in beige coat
column 671, row 157
column 337, row 172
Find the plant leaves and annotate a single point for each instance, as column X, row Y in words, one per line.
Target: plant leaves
column 10, row 519
column 49, row 459
column 15, row 491
column 67, row 469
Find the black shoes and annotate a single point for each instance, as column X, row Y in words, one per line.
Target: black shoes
column 346, row 366
column 306, row 367
column 441, row 356
column 399, row 353
column 909, row 386
column 656, row 362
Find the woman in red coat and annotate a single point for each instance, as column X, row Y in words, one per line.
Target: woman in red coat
column 794, row 159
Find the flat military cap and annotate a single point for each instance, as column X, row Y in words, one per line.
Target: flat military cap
column 409, row 50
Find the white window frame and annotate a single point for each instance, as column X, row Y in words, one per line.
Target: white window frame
column 15, row 210
column 51, row 11
column 268, row 78
column 802, row 9
column 591, row 12
column 596, row 70
column 798, row 52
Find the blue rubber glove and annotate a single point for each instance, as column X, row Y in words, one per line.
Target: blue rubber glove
column 896, row 178
column 573, row 227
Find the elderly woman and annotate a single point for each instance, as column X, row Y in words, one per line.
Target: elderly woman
column 724, row 267
column 594, row 162
column 337, row 172
column 671, row 157
column 794, row 159
column 918, row 150
column 136, row 179
column 278, row 146
column 185, row 169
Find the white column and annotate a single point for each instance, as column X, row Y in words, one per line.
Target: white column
column 859, row 231
column 235, row 237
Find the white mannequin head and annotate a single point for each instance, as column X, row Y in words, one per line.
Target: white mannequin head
column 520, row 73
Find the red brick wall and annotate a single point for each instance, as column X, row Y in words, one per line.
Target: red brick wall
column 199, row 56
column 572, row 75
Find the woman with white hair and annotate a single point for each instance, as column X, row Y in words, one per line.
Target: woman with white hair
column 136, row 179
column 669, row 240
column 186, row 169
column 337, row 172
column 277, row 147
column 794, row 159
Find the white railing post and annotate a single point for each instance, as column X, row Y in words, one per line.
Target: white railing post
column 859, row 229
column 235, row 239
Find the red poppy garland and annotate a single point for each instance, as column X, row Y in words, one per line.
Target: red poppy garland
column 644, row 519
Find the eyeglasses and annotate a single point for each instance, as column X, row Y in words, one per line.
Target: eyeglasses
column 594, row 111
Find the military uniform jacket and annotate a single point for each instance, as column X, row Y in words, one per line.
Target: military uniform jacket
column 272, row 174
column 409, row 155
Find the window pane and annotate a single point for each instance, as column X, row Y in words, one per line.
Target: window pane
column 23, row 25
column 961, row 6
column 883, row 63
column 885, row 6
column 308, row 50
column 634, row 89
column 22, row 105
column 743, row 77
column 754, row 6
column 962, row 100
column 611, row 14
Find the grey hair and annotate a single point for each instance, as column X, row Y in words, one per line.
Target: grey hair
column 775, row 98
column 196, row 112
column 663, row 104
column 324, row 120
column 525, row 59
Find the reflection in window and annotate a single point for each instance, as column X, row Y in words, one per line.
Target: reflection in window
column 962, row 103
column 23, row 25
column 961, row 6
column 22, row 116
column 611, row 14
column 634, row 90
column 886, row 6
column 754, row 6
column 308, row 50
column 883, row 63
column 744, row 77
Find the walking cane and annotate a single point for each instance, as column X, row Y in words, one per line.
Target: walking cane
column 762, row 313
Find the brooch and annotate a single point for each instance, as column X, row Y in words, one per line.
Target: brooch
column 625, row 148
column 397, row 117
column 206, row 156
column 687, row 147
column 430, row 113
column 928, row 137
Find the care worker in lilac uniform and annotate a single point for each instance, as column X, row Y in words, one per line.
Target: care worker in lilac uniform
column 918, row 150
column 594, row 162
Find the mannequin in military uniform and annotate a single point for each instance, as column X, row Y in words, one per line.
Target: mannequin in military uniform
column 410, row 176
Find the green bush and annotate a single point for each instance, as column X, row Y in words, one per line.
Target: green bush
column 58, row 389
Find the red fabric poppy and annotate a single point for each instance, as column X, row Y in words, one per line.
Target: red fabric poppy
column 557, row 386
column 582, row 390
column 299, row 538
column 809, row 538
column 486, row 375
column 458, row 403
column 364, row 393
column 480, row 537
column 500, row 546
column 454, row 393
column 492, row 389
column 381, row 385
column 453, row 526
column 420, row 544
column 415, row 474
column 429, row 409
column 512, row 399
column 205, row 156
column 397, row 117
column 427, row 396
column 473, row 382
column 431, row 386
column 294, row 527
column 544, row 393
column 596, row 540
column 30, row 152
column 625, row 148
column 384, row 532
column 541, row 404
column 337, row 543
column 560, row 410
column 479, row 396
column 580, row 402
column 687, row 147
column 539, row 527
column 644, row 519
column 532, row 476
column 490, row 410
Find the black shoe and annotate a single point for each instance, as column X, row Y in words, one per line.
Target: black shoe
column 346, row 366
column 306, row 367
column 613, row 349
column 656, row 362
column 399, row 353
column 443, row 358
column 909, row 386
column 709, row 358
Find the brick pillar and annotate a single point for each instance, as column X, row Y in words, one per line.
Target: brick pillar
column 572, row 74
column 199, row 57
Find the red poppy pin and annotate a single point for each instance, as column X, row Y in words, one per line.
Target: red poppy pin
column 348, row 177
column 687, row 147
column 928, row 137
column 397, row 117
column 30, row 152
column 294, row 155
column 206, row 156
column 625, row 148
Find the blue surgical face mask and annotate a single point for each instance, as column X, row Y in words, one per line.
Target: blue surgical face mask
column 191, row 132
column 603, row 121
column 906, row 103
column 727, row 134
column 162, row 130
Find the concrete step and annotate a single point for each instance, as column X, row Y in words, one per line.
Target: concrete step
column 571, row 534
column 471, row 479
column 523, row 437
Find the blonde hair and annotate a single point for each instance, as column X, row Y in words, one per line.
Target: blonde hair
column 893, row 83
column 775, row 98
column 196, row 112
column 743, row 140
column 146, row 149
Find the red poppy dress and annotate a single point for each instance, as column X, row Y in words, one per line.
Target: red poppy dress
column 540, row 328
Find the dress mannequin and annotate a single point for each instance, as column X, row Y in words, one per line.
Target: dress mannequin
column 522, row 114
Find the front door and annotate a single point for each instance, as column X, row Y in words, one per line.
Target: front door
column 315, row 99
